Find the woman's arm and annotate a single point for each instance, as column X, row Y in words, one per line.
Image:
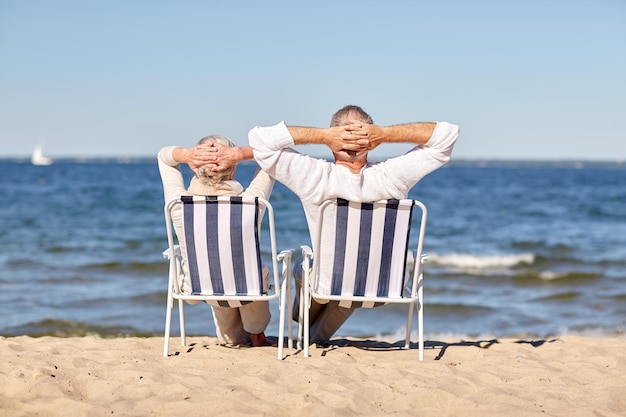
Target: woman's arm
column 171, row 176
column 261, row 185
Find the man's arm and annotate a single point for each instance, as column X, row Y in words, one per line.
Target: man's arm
column 359, row 136
column 424, row 158
column 336, row 138
column 418, row 133
column 222, row 157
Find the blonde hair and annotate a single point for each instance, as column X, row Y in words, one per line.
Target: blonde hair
column 204, row 174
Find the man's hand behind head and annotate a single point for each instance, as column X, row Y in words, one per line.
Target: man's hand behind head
column 347, row 139
column 366, row 135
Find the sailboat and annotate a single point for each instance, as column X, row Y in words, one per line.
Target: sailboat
column 38, row 157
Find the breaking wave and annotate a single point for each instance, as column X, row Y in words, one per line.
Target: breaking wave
column 467, row 261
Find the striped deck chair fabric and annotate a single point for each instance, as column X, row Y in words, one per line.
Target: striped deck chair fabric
column 221, row 258
column 369, row 251
column 359, row 259
column 222, row 240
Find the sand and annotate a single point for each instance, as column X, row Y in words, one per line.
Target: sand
column 91, row 376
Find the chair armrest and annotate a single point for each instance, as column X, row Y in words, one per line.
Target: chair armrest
column 166, row 252
column 285, row 254
column 285, row 257
column 306, row 251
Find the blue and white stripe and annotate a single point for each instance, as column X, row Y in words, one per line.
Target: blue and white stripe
column 368, row 258
column 221, row 236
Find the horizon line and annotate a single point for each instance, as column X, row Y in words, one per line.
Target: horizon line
column 480, row 162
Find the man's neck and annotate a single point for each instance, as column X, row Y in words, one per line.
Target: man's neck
column 354, row 166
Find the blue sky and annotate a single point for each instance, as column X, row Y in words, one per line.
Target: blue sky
column 532, row 79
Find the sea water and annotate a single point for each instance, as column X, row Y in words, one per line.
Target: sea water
column 515, row 250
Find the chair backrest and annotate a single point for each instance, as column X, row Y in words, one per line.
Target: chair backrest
column 221, row 236
column 362, row 249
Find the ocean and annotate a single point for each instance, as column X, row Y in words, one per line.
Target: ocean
column 528, row 249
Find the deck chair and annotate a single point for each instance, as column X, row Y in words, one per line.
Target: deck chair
column 359, row 259
column 223, row 257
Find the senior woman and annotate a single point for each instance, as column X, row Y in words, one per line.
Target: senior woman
column 234, row 325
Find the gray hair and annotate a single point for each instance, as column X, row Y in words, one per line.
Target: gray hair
column 341, row 116
column 204, row 174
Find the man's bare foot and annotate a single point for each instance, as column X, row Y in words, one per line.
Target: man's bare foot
column 258, row 339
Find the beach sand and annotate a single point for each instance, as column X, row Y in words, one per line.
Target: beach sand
column 80, row 376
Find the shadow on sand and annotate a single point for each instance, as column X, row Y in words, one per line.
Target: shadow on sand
column 428, row 344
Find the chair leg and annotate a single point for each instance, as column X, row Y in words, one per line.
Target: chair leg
column 420, row 314
column 289, row 312
column 181, row 316
column 409, row 323
column 299, row 343
column 306, row 320
column 420, row 330
column 281, row 326
column 168, row 321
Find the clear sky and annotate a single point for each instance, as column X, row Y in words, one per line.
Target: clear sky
column 527, row 79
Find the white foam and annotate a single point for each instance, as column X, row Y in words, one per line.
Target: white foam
column 460, row 260
column 400, row 334
column 550, row 275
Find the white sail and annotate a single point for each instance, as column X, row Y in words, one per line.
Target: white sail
column 38, row 158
